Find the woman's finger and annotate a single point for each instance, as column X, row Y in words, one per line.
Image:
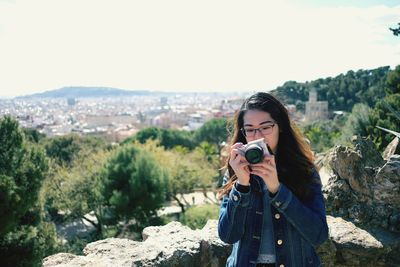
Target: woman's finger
column 265, row 169
column 270, row 160
column 258, row 168
column 240, row 158
column 259, row 173
column 262, row 163
column 236, row 145
column 233, row 153
column 234, row 148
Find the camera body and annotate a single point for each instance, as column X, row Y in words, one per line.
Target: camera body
column 254, row 151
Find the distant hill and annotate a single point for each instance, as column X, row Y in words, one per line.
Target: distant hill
column 342, row 92
column 81, row 92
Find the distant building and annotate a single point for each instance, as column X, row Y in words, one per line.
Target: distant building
column 316, row 110
column 163, row 101
column 71, row 101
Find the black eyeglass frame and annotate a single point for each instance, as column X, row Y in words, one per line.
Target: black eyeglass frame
column 243, row 130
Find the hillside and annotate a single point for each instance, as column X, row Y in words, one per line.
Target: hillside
column 341, row 92
column 81, row 92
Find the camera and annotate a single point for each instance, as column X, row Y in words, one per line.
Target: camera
column 254, row 151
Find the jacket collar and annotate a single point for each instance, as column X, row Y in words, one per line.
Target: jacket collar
column 256, row 184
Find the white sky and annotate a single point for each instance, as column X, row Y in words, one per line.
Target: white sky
column 176, row 45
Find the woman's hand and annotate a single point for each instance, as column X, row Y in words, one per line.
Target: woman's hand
column 239, row 165
column 267, row 171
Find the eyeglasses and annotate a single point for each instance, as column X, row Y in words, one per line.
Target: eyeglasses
column 264, row 130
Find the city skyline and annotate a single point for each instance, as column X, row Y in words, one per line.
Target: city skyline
column 179, row 46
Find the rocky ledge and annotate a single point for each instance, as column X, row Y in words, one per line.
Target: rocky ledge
column 177, row 245
column 363, row 187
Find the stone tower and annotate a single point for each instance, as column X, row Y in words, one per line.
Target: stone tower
column 316, row 110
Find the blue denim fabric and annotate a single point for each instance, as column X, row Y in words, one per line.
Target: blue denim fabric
column 297, row 226
column 267, row 236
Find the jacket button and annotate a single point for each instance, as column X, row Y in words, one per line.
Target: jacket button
column 280, row 242
column 277, row 216
column 277, row 203
column 235, row 198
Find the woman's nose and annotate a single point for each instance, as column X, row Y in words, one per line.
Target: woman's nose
column 258, row 134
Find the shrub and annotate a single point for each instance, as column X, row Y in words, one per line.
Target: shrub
column 197, row 216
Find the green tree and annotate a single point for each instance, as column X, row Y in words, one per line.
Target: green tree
column 133, row 187
column 71, row 189
column 76, row 189
column 357, row 122
column 210, row 152
column 291, row 92
column 172, row 137
column 33, row 135
column 323, row 134
column 197, row 216
column 22, row 170
column 168, row 138
column 213, row 131
column 64, row 149
column 396, row 31
column 341, row 92
column 27, row 244
column 186, row 170
column 383, row 117
column 25, row 238
column 393, row 81
column 143, row 135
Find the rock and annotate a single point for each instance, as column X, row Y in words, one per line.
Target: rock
column 177, row 245
column 387, row 180
column 349, row 245
column 60, row 259
column 362, row 187
column 358, row 247
column 169, row 245
column 354, row 244
column 392, row 148
column 367, row 150
column 102, row 253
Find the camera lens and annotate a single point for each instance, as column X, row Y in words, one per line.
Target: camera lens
column 254, row 154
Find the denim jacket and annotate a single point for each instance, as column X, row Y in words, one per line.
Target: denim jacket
column 298, row 227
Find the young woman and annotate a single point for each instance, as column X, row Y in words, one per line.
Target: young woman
column 273, row 212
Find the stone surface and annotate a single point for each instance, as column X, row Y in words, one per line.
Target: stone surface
column 361, row 247
column 169, row 245
column 392, row 148
column 362, row 187
column 177, row 245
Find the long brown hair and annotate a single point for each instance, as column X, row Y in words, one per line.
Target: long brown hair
column 294, row 158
